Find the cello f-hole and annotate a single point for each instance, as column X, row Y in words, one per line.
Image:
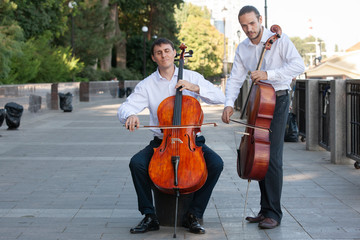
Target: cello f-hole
column 189, row 141
column 163, row 149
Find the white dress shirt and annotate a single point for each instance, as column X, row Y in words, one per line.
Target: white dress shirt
column 151, row 91
column 282, row 63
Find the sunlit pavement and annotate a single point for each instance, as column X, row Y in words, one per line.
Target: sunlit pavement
column 66, row 176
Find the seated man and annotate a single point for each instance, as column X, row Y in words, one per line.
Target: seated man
column 149, row 93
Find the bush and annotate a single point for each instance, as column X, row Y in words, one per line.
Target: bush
column 89, row 73
column 42, row 63
column 106, row 76
column 126, row 74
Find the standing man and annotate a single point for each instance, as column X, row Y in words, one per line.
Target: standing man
column 280, row 65
column 149, row 93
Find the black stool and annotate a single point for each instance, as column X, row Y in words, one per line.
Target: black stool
column 165, row 205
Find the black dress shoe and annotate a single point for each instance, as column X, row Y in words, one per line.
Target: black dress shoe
column 192, row 223
column 256, row 219
column 268, row 223
column 149, row 223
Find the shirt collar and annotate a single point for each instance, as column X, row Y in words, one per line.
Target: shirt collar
column 159, row 77
column 265, row 36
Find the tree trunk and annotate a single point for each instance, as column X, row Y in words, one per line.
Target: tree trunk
column 152, row 13
column 120, row 45
column 105, row 63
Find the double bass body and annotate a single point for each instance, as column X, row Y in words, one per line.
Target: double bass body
column 254, row 151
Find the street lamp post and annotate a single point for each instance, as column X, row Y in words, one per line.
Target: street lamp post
column 238, row 34
column 72, row 5
column 265, row 8
column 144, row 29
column 224, row 60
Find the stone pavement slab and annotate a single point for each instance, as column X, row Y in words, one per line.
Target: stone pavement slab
column 66, row 176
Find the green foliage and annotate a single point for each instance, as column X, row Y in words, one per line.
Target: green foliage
column 11, row 36
column 25, row 67
column 307, row 46
column 135, row 55
column 185, row 10
column 90, row 74
column 126, row 74
column 43, row 63
column 204, row 39
column 157, row 15
column 37, row 16
column 106, row 76
column 92, row 23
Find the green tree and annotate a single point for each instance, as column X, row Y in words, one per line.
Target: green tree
column 11, row 38
column 92, row 23
column 307, row 48
column 37, row 16
column 158, row 16
column 203, row 38
column 185, row 10
column 41, row 62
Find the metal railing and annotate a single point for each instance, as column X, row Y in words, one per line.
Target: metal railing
column 324, row 108
column 300, row 108
column 353, row 119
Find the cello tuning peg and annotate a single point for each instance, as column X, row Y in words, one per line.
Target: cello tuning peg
column 189, row 53
column 176, row 58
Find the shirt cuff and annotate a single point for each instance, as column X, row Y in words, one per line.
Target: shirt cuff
column 229, row 103
column 270, row 74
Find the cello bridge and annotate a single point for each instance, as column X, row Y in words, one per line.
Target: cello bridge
column 173, row 140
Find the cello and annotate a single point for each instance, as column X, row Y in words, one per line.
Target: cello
column 254, row 151
column 178, row 165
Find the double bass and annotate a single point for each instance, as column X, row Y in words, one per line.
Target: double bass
column 178, row 165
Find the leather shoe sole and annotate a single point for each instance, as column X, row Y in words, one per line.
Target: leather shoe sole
column 149, row 223
column 192, row 223
column 256, row 219
column 195, row 229
column 268, row 223
column 141, row 230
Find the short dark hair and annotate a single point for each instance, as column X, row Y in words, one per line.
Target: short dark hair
column 249, row 9
column 160, row 41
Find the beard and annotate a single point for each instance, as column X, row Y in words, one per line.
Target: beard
column 257, row 35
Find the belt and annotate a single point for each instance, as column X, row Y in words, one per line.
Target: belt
column 281, row 92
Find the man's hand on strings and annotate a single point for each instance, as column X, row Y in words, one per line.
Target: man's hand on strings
column 227, row 113
column 258, row 75
column 132, row 122
column 188, row 86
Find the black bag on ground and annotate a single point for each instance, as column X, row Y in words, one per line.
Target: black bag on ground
column 291, row 131
column 66, row 101
column 121, row 93
column 2, row 116
column 13, row 114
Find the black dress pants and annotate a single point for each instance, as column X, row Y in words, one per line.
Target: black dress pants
column 271, row 186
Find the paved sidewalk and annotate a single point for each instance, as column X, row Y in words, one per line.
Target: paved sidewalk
column 66, row 176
